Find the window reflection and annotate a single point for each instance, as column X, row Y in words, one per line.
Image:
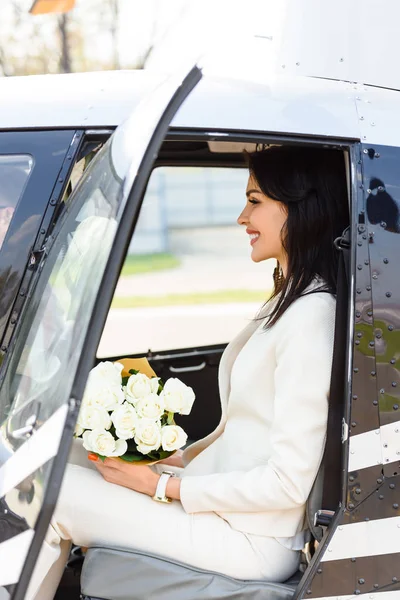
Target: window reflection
column 14, row 172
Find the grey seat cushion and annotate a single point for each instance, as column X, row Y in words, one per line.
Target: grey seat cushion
column 109, row 574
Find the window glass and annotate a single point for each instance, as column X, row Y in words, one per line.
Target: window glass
column 49, row 342
column 88, row 153
column 188, row 279
column 14, row 173
column 53, row 329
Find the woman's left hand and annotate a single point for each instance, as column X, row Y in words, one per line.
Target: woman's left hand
column 135, row 477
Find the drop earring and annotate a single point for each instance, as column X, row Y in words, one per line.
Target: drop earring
column 278, row 277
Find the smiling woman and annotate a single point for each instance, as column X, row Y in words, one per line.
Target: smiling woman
column 297, row 204
column 241, row 514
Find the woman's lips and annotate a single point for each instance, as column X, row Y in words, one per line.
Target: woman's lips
column 254, row 235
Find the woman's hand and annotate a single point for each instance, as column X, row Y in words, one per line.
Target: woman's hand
column 135, row 477
column 175, row 460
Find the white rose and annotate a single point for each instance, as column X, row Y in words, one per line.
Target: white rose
column 106, row 374
column 140, row 385
column 148, row 436
column 125, row 420
column 108, row 397
column 150, row 407
column 103, row 443
column 178, row 397
column 94, row 417
column 172, row 437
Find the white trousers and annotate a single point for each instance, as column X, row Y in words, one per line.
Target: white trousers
column 92, row 512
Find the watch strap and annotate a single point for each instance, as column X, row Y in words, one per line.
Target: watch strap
column 160, row 495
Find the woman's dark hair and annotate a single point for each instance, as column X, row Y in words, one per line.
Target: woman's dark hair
column 311, row 184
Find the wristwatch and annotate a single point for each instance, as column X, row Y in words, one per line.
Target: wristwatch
column 160, row 496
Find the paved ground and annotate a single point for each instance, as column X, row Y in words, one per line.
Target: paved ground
column 211, row 259
column 132, row 331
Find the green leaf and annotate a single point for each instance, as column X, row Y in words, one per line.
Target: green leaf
column 133, row 371
column 170, row 419
column 102, row 458
column 132, row 457
column 125, row 380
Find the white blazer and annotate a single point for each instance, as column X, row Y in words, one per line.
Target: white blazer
column 256, row 469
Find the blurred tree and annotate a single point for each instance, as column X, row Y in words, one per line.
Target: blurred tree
column 65, row 57
column 86, row 38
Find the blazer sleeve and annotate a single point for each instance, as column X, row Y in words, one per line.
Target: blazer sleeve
column 302, row 377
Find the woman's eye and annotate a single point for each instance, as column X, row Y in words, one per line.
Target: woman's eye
column 253, row 201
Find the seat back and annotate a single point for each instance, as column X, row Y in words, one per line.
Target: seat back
column 325, row 494
column 314, row 504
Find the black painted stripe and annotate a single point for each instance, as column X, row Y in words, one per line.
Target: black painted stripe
column 367, row 574
column 383, row 502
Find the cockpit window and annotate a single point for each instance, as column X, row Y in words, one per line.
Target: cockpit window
column 14, row 174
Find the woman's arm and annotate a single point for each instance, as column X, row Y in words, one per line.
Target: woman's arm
column 135, row 477
column 174, row 461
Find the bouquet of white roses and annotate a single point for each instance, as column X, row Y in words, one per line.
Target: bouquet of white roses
column 132, row 416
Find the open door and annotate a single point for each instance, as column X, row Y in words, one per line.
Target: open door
column 57, row 338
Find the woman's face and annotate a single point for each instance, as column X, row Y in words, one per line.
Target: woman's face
column 264, row 219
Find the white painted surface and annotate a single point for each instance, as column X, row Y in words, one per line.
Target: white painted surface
column 12, row 556
column 275, row 103
column 368, row 538
column 394, row 595
column 375, row 447
column 278, row 104
column 390, row 435
column 36, row 451
column 365, row 450
column 352, row 41
column 72, row 100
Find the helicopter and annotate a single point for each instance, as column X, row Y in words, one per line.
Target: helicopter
column 92, row 145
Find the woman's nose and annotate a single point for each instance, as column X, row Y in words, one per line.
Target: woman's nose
column 242, row 218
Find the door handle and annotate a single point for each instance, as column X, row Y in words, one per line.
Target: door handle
column 24, row 432
column 187, row 369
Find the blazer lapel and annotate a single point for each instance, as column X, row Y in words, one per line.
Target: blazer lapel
column 228, row 358
column 224, row 379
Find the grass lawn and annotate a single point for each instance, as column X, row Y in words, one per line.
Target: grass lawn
column 216, row 297
column 145, row 263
